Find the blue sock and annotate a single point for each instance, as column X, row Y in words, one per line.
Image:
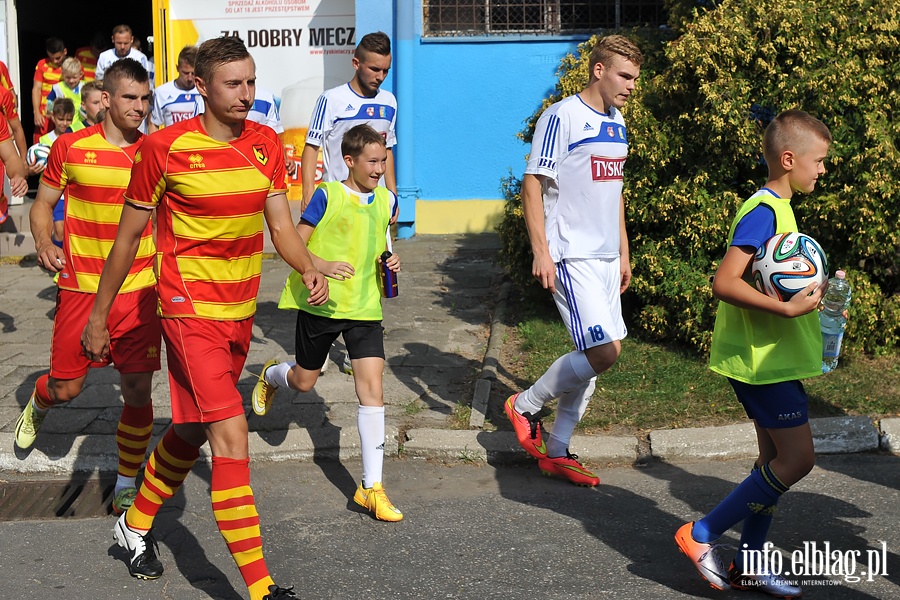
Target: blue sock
column 755, row 530
column 760, row 489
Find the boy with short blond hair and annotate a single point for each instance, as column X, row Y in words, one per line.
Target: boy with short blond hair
column 345, row 227
column 764, row 347
column 69, row 87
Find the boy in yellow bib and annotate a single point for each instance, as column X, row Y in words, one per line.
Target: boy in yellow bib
column 764, row 347
column 345, row 227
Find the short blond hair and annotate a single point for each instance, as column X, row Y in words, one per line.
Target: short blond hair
column 790, row 131
column 611, row 45
column 71, row 67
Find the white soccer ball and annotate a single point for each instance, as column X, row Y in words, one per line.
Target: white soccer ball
column 787, row 263
column 37, row 154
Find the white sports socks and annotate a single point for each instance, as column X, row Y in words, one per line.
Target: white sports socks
column 570, row 372
column 276, row 375
column 370, row 421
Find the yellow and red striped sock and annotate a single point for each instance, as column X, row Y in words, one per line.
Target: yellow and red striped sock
column 238, row 521
column 169, row 464
column 42, row 397
column 133, row 437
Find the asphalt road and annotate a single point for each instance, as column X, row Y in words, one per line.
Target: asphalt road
column 471, row 531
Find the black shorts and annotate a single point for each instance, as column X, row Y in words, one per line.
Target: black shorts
column 315, row 334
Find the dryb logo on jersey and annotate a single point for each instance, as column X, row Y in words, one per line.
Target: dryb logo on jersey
column 604, row 168
column 261, row 154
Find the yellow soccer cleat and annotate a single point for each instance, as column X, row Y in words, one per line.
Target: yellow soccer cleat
column 263, row 392
column 28, row 425
column 376, row 501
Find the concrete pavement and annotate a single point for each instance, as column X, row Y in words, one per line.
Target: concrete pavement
column 441, row 337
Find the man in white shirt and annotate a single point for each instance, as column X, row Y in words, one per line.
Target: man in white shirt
column 122, row 39
column 361, row 101
column 177, row 100
column 265, row 112
column 575, row 215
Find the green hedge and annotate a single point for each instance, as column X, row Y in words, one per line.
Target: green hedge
column 695, row 129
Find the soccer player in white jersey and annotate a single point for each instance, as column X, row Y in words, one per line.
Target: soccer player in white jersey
column 575, row 215
column 361, row 101
column 177, row 100
column 122, row 39
column 265, row 112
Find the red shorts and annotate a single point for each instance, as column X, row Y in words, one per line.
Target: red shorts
column 205, row 360
column 134, row 333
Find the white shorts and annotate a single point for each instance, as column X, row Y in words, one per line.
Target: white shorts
column 588, row 299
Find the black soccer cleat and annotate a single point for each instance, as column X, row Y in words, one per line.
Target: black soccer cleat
column 142, row 561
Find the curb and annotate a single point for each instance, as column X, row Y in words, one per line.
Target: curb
column 59, row 453
column 491, row 359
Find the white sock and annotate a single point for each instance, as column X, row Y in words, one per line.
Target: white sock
column 567, row 374
column 370, row 421
column 38, row 409
column 569, row 411
column 123, row 482
column 276, row 375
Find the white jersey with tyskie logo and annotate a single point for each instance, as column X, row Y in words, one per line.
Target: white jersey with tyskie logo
column 339, row 109
column 171, row 104
column 582, row 154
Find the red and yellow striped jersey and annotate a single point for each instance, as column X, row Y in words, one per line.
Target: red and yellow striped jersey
column 48, row 75
column 5, row 79
column 94, row 174
column 8, row 104
column 88, row 61
column 210, row 197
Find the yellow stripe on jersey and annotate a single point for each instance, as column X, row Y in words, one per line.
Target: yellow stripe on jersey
column 223, row 182
column 219, row 269
column 97, row 175
column 225, row 311
column 96, row 248
column 205, row 228
column 138, row 281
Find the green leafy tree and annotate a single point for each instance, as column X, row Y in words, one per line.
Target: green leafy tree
column 695, row 129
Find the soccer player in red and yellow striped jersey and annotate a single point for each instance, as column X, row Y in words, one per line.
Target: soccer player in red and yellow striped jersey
column 92, row 168
column 211, row 179
column 47, row 73
column 11, row 116
column 14, row 165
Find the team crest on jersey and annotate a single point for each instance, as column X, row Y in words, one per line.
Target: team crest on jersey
column 610, row 131
column 137, row 157
column 605, row 168
column 370, row 110
column 261, row 154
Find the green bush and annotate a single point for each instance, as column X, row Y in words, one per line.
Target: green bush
column 695, row 133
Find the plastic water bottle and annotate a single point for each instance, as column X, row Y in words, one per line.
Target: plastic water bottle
column 832, row 321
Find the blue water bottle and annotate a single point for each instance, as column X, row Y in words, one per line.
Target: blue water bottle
column 388, row 277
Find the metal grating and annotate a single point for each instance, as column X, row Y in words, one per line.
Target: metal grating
column 38, row 500
column 484, row 17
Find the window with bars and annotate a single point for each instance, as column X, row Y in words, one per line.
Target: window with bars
column 485, row 17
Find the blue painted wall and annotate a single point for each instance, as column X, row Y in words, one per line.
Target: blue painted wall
column 461, row 103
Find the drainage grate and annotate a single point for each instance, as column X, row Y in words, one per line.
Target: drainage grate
column 33, row 500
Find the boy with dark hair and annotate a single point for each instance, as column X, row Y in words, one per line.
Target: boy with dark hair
column 92, row 111
column 211, row 179
column 764, row 347
column 345, row 227
column 47, row 73
column 63, row 113
column 92, row 168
